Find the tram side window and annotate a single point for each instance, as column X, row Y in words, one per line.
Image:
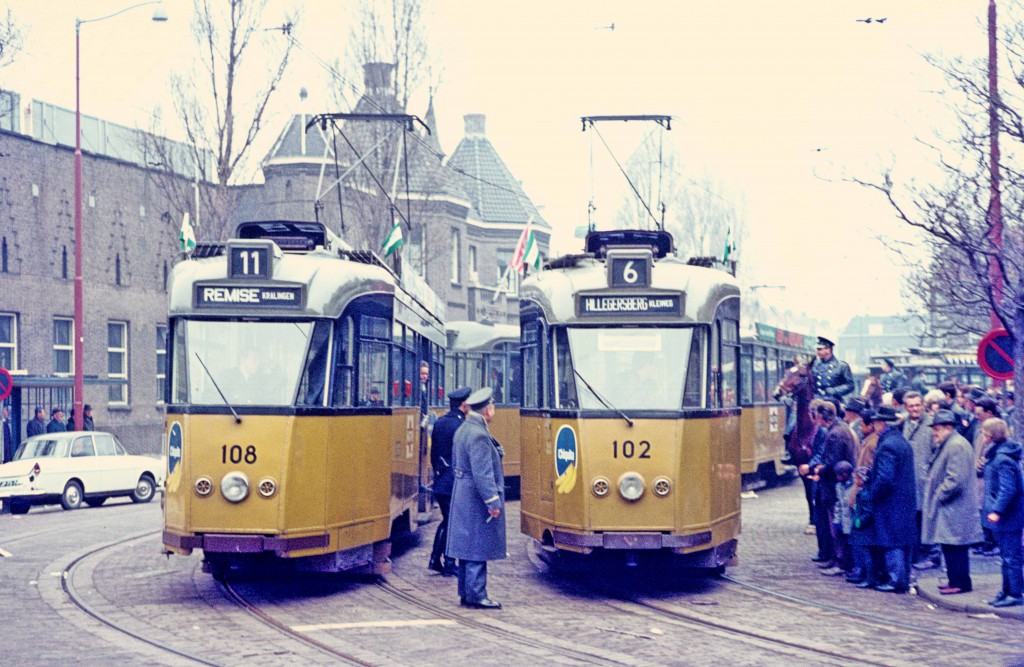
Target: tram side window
column 693, row 391
column 179, row 365
column 515, row 383
column 399, row 374
column 746, row 375
column 343, row 363
column 760, row 395
column 714, row 372
column 314, row 376
column 772, row 372
column 436, row 373
column 475, row 371
column 373, row 360
column 565, row 382
column 532, row 364
column 730, row 357
column 451, row 378
column 496, row 375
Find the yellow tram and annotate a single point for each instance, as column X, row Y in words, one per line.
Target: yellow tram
column 631, row 416
column 485, row 354
column 293, row 415
column 764, row 357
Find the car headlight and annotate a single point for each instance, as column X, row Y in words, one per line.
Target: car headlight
column 662, row 486
column 631, row 486
column 234, row 487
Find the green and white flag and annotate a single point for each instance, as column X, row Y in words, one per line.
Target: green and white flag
column 730, row 244
column 187, row 235
column 531, row 253
column 393, row 241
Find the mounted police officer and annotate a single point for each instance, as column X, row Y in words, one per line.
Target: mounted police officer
column 892, row 377
column 832, row 378
column 476, row 532
column 441, row 441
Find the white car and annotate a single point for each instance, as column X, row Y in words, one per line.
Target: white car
column 75, row 467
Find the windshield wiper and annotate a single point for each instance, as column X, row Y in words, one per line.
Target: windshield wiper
column 238, row 420
column 601, row 398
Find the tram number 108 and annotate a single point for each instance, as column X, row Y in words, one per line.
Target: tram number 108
column 629, row 449
column 235, row 454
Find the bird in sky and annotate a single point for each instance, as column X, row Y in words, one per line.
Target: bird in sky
column 606, row 27
column 870, row 20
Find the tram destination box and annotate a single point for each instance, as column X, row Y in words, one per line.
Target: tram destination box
column 590, row 305
column 248, row 296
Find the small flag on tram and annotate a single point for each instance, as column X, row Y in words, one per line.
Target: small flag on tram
column 393, row 241
column 730, row 244
column 527, row 252
column 187, row 235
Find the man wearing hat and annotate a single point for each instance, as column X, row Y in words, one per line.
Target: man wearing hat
column 476, row 533
column 892, row 488
column 831, row 376
column 950, row 502
column 892, row 378
column 441, row 441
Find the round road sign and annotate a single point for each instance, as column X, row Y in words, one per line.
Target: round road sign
column 995, row 354
column 6, row 383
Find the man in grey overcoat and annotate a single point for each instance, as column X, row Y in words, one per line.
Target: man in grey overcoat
column 476, row 532
column 951, row 502
column 917, row 430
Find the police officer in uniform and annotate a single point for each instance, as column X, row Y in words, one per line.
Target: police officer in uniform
column 832, row 378
column 892, row 378
column 476, row 532
column 441, row 441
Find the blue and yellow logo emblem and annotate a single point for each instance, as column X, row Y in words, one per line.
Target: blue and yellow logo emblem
column 566, row 460
column 173, row 448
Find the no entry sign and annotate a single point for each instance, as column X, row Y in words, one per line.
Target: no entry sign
column 6, row 383
column 995, row 354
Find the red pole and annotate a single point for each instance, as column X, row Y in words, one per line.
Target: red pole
column 995, row 209
column 79, row 331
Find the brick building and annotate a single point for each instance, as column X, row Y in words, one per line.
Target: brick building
column 466, row 213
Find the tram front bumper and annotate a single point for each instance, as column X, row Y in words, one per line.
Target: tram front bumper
column 637, row 540
column 245, row 544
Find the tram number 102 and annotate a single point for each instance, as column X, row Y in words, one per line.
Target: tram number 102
column 629, row 449
column 235, row 454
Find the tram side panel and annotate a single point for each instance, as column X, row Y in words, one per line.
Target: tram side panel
column 405, row 465
column 537, row 506
column 358, row 476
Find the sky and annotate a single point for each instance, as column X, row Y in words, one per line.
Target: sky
column 777, row 101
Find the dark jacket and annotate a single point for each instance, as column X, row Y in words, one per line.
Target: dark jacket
column 36, row 427
column 441, row 441
column 479, row 487
column 893, row 490
column 1004, row 486
column 893, row 380
column 55, row 426
column 839, row 445
column 832, row 378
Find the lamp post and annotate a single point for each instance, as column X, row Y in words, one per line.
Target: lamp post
column 159, row 15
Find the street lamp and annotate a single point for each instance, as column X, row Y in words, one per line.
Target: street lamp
column 159, row 15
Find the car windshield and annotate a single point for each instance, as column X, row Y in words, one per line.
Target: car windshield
column 37, row 449
column 252, row 363
column 631, row 369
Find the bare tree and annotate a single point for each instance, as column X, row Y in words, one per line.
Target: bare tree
column 12, row 41
column 221, row 117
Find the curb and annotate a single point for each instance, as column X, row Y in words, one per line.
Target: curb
column 928, row 589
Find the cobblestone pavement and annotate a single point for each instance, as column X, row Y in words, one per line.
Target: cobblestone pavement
column 623, row 616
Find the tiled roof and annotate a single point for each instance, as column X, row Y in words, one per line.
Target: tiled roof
column 495, row 193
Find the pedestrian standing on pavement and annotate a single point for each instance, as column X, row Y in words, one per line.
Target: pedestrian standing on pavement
column 842, row 521
column 893, row 492
column 56, row 423
column 476, row 532
column 917, row 431
column 868, row 566
column 37, row 425
column 87, row 422
column 807, row 471
column 839, row 444
column 984, row 409
column 950, row 501
column 441, row 440
column 7, row 446
column 1003, row 507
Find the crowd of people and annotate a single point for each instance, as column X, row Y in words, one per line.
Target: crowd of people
column 910, row 477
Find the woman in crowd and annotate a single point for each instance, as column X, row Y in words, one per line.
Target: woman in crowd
column 1003, row 507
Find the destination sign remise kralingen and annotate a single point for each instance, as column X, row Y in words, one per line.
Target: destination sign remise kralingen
column 640, row 304
column 220, row 296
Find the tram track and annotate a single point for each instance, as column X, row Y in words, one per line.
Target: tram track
column 71, row 590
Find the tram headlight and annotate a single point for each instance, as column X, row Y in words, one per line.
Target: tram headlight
column 600, row 487
column 631, row 486
column 662, row 486
column 203, row 486
column 267, row 487
column 234, row 487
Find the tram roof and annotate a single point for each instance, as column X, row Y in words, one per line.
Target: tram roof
column 467, row 336
column 331, row 283
column 556, row 289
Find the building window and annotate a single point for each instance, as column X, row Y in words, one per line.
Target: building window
column 456, row 277
column 508, row 278
column 474, row 276
column 63, row 346
column 8, row 341
column 64, row 263
column 117, row 361
column 414, row 250
column 161, row 362
column 117, row 269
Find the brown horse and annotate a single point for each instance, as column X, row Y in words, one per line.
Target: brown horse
column 798, row 382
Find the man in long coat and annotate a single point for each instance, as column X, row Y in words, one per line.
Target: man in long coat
column 950, row 501
column 917, row 430
column 442, row 439
column 893, row 491
column 476, row 533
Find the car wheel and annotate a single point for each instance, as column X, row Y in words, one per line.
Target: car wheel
column 95, row 502
column 71, row 499
column 143, row 492
column 19, row 508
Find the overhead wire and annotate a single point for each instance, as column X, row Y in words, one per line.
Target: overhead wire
column 624, row 174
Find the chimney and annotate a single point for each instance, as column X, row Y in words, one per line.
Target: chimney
column 475, row 124
column 377, row 77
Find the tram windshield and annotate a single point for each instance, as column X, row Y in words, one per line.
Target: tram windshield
column 631, row 369
column 252, row 363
